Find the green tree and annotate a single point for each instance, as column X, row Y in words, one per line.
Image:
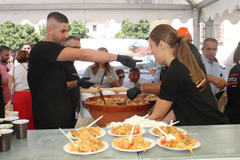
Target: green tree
column 135, row 31
column 13, row 35
column 77, row 28
column 42, row 32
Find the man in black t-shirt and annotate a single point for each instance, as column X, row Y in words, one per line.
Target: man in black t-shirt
column 71, row 75
column 51, row 101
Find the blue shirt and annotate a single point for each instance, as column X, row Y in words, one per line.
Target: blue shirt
column 212, row 69
column 129, row 84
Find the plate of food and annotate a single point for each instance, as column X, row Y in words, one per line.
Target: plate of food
column 181, row 143
column 125, row 130
column 168, row 130
column 137, row 144
column 70, row 149
column 151, row 97
column 96, row 132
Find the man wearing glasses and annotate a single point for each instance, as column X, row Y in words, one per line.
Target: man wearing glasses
column 209, row 51
column 72, row 75
column 5, row 67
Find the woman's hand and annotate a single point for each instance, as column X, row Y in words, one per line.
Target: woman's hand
column 110, row 79
column 98, row 85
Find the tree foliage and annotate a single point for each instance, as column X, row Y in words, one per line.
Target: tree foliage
column 12, row 35
column 77, row 28
column 135, row 31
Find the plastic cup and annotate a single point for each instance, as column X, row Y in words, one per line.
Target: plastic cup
column 5, row 139
column 9, row 120
column 20, row 128
column 1, row 120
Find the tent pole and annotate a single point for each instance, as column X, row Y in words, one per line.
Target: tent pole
column 196, row 27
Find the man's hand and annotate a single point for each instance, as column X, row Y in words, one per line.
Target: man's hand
column 127, row 61
column 133, row 92
column 219, row 82
column 84, row 83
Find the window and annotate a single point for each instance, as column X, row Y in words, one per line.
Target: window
column 94, row 27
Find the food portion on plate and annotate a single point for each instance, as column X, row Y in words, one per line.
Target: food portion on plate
column 151, row 96
column 137, row 143
column 118, row 100
column 168, row 130
column 95, row 132
column 181, row 142
column 125, row 129
column 87, row 143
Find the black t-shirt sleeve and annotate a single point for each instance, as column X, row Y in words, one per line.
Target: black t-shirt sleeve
column 51, row 52
column 170, row 87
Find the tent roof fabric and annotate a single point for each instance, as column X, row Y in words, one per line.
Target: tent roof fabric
column 135, row 10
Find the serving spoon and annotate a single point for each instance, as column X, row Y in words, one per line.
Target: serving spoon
column 100, row 92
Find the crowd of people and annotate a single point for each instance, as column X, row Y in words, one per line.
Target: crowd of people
column 44, row 85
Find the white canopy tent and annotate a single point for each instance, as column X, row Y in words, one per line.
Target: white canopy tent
column 101, row 10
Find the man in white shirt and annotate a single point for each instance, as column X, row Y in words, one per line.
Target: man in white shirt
column 209, row 51
column 135, row 79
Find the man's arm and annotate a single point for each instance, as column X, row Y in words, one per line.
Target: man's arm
column 151, row 88
column 219, row 82
column 170, row 116
column 72, row 84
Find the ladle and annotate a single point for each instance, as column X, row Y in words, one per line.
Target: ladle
column 101, row 95
column 122, row 103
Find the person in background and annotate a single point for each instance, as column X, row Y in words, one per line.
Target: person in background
column 22, row 100
column 229, row 64
column 185, row 34
column 185, row 93
column 135, row 79
column 232, row 109
column 209, row 51
column 5, row 67
column 102, row 74
column 26, row 46
column 121, row 76
column 2, row 107
column 71, row 75
column 51, row 102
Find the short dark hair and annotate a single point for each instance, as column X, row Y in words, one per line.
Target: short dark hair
column 22, row 56
column 136, row 71
column 71, row 37
column 3, row 48
column 119, row 71
column 58, row 16
column 209, row 39
column 26, row 43
column 103, row 49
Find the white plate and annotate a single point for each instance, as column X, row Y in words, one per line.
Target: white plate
column 151, row 132
column 101, row 135
column 141, row 132
column 198, row 144
column 66, row 149
column 153, row 99
column 153, row 143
